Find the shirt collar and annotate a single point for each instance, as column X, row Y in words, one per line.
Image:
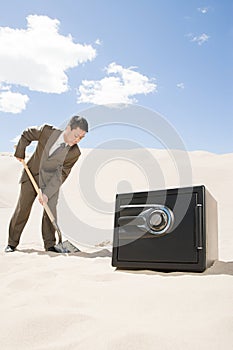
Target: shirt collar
column 61, row 139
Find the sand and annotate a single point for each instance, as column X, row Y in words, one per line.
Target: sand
column 65, row 302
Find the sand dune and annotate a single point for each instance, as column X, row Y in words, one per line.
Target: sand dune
column 58, row 302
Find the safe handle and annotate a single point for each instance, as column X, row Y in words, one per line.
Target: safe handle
column 131, row 220
column 199, row 226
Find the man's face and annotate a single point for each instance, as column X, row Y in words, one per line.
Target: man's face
column 72, row 137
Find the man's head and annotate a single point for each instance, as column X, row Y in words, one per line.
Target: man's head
column 75, row 130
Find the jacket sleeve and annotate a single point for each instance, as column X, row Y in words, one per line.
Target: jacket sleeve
column 28, row 135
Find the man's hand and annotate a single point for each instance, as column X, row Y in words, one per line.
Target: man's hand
column 43, row 199
column 19, row 159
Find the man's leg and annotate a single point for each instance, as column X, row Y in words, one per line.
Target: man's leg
column 21, row 213
column 48, row 231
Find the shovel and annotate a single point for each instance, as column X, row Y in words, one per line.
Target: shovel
column 61, row 247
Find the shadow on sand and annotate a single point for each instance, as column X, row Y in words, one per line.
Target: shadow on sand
column 218, row 268
column 103, row 253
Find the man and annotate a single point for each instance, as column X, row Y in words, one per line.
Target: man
column 50, row 164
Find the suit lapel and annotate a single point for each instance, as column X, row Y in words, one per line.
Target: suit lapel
column 53, row 137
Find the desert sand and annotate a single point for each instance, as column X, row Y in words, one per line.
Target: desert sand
column 55, row 301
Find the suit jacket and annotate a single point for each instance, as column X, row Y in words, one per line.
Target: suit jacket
column 49, row 171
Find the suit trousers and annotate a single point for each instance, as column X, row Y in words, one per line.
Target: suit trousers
column 21, row 214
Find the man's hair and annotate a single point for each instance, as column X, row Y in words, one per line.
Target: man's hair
column 78, row 122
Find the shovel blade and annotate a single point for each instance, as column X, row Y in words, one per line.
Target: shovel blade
column 66, row 247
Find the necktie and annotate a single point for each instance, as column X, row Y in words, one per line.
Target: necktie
column 59, row 149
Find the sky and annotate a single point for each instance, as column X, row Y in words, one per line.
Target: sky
column 60, row 58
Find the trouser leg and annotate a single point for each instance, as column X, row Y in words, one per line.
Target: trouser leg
column 48, row 231
column 21, row 213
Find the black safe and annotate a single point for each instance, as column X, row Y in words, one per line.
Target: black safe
column 168, row 230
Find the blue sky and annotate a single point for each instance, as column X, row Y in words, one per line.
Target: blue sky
column 60, row 58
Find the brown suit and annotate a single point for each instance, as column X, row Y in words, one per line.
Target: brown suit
column 49, row 171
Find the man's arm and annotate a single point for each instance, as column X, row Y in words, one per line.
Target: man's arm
column 28, row 135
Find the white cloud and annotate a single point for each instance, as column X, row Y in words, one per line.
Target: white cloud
column 38, row 57
column 4, row 87
column 119, row 86
column 12, row 102
column 98, row 42
column 180, row 85
column 203, row 9
column 201, row 39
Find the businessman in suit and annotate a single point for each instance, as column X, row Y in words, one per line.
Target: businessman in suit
column 50, row 164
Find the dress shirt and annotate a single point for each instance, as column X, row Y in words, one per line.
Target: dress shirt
column 57, row 143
